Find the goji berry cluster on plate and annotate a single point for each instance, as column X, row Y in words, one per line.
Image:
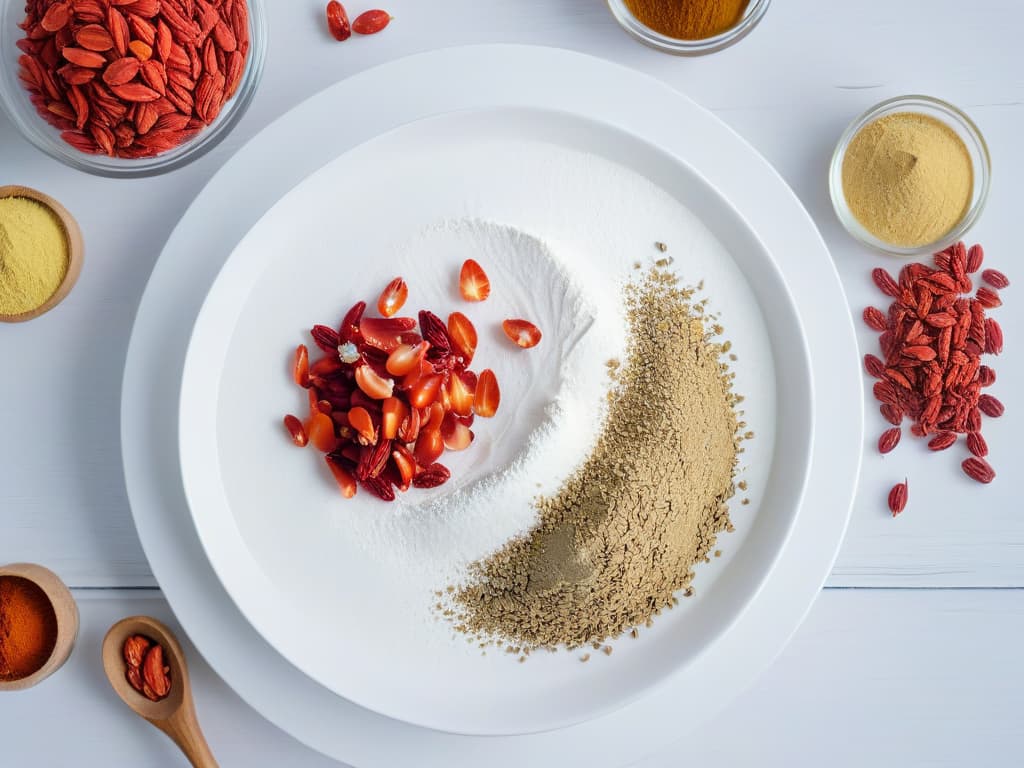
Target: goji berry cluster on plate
column 390, row 394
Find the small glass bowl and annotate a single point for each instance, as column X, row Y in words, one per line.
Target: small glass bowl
column 965, row 129
column 751, row 16
column 14, row 99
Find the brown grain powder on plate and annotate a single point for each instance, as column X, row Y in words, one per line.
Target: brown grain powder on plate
column 625, row 530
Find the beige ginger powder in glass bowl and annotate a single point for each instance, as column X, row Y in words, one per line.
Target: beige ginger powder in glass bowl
column 910, row 176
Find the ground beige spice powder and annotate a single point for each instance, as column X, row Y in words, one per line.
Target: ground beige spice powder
column 908, row 178
column 624, row 532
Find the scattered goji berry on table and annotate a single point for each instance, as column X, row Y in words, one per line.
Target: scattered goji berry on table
column 337, row 21
column 898, row 498
column 371, row 22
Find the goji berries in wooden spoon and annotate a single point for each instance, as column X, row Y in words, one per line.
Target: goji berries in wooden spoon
column 146, row 667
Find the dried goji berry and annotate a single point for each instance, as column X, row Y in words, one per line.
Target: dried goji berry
column 898, row 498
column 337, row 21
column 371, row 22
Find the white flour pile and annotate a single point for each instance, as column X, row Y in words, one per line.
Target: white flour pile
column 552, row 404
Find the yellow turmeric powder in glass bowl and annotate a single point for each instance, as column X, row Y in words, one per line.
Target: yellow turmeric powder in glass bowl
column 40, row 253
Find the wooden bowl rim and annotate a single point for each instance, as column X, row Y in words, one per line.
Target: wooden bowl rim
column 66, row 610
column 76, row 250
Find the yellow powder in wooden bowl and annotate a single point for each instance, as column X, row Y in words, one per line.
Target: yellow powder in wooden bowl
column 34, row 255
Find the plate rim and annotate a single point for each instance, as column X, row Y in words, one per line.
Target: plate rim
column 477, row 66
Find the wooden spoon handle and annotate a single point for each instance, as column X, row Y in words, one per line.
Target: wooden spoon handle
column 198, row 752
column 184, row 730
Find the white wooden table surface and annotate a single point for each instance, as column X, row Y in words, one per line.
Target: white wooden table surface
column 911, row 654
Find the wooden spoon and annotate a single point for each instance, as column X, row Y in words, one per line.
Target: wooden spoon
column 174, row 715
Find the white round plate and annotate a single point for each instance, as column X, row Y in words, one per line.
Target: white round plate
column 304, row 565
column 475, row 79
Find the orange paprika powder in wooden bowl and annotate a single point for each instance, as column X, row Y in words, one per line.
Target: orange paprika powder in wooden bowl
column 38, row 625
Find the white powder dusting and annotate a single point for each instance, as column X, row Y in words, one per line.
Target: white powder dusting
column 553, row 399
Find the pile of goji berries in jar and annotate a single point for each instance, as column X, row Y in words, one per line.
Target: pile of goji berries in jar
column 932, row 340
column 132, row 78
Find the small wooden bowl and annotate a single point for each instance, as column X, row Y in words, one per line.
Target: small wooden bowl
column 67, row 621
column 76, row 251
